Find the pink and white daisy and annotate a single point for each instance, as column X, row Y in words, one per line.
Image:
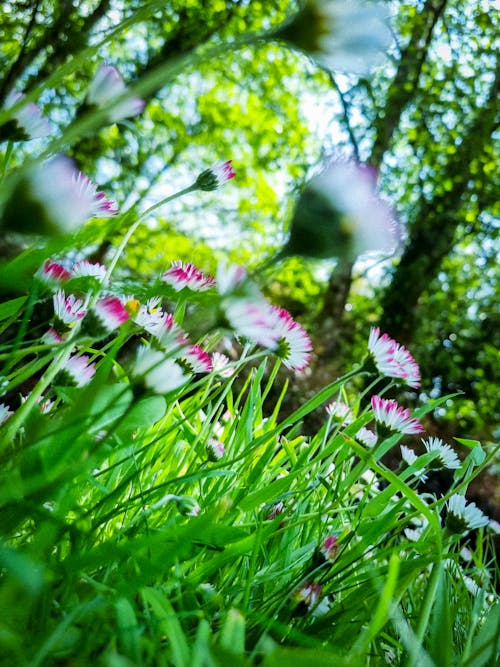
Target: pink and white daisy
column 78, row 370
column 329, row 547
column 158, row 372
column 311, row 595
column 45, row 405
column 108, row 85
column 340, row 214
column 394, row 417
column 197, row 359
column 5, row 413
column 215, row 449
column 52, row 337
column 170, row 335
column 344, row 36
column 68, row 309
column 340, row 411
column 110, row 312
column 294, row 344
column 52, row 273
column 229, row 277
column 445, row 456
column 215, row 176
column 28, row 120
column 392, row 359
column 181, row 275
column 99, row 205
column 150, row 316
column 253, row 319
column 220, row 365
column 366, row 437
column 277, row 509
column 462, row 516
column 67, row 197
column 84, row 268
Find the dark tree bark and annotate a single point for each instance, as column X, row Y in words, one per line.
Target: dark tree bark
column 432, row 233
column 401, row 93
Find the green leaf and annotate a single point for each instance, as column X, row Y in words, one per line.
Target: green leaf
column 486, row 646
column 468, row 443
column 128, row 629
column 142, row 414
column 304, row 657
column 26, row 571
column 10, row 308
column 169, row 625
column 269, row 492
column 441, row 630
column 232, row 634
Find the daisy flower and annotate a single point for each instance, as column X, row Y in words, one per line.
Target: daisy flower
column 157, row 372
column 52, row 337
column 393, row 360
column 52, row 273
column 85, row 268
column 366, row 437
column 343, row 36
column 108, row 85
column 229, row 277
column 462, row 516
column 394, row 417
column 77, row 370
column 215, row 450
column 150, row 316
column 27, row 122
column 445, row 456
column 329, row 547
column 277, row 509
column 418, row 526
column 294, row 345
column 181, row 275
column 409, row 457
column 68, row 310
column 220, row 365
column 253, row 319
column 340, row 411
column 340, row 214
column 98, row 205
column 197, row 360
column 310, row 594
column 170, row 335
column 215, row 176
column 110, row 312
column 58, row 198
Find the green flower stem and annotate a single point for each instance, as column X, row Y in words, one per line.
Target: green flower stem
column 135, row 225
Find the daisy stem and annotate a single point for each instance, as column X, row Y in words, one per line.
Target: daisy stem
column 135, row 225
